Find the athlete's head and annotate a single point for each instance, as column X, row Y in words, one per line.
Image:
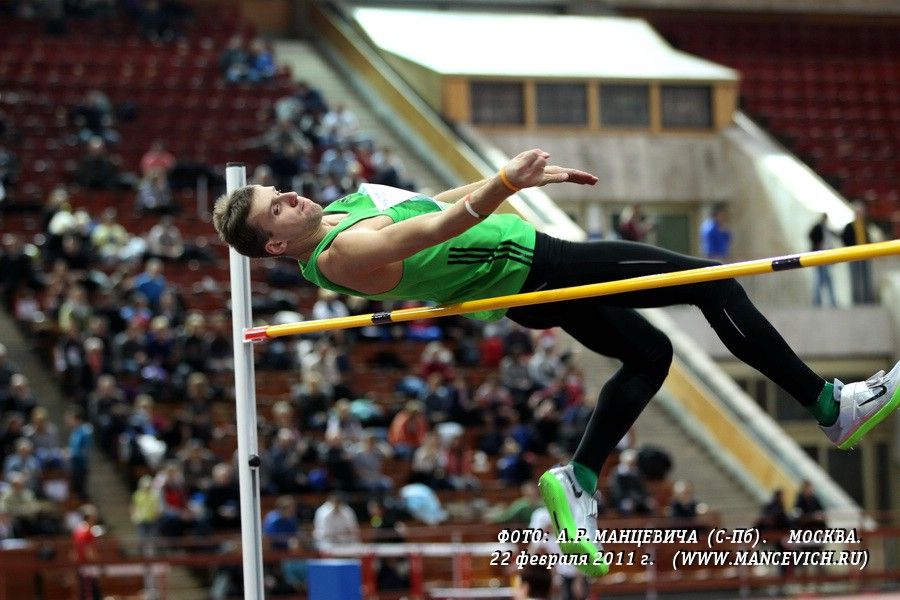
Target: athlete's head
column 260, row 221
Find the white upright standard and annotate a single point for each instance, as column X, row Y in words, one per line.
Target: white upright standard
column 245, row 399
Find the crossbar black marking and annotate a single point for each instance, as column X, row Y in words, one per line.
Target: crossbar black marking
column 380, row 318
column 784, row 264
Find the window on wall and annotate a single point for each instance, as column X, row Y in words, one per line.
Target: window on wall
column 687, row 106
column 561, row 104
column 624, row 105
column 498, row 103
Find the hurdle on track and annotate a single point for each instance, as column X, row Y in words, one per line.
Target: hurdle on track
column 700, row 275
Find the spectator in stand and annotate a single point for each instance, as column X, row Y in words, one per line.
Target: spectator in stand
column 341, row 474
column 262, row 175
column 221, row 357
column 178, row 516
column 164, row 240
column 312, row 398
column 715, row 236
column 81, row 438
column 634, row 225
column 339, row 161
column 808, row 510
column 108, row 409
column 491, row 395
column 331, row 189
column 773, row 515
column 515, row 375
column 9, row 171
column 389, row 169
column 342, row 122
column 75, row 311
column 329, row 305
column 172, row 309
column 429, row 464
column 222, row 499
column 368, row 459
column 24, row 462
column 513, row 467
column 84, row 540
column 335, row 523
column 261, row 61
column 157, row 159
column 154, row 196
column 44, row 435
column 684, row 505
column 288, row 163
column 545, row 366
column 76, row 254
column 312, row 99
column 820, row 239
column 233, row 61
column 151, row 283
column 628, row 492
column 18, row 269
column 110, row 239
column 343, row 423
column 12, row 428
column 97, row 169
column 156, row 21
column 94, row 118
column 21, row 503
column 146, row 507
column 281, row 529
column 191, row 344
column 408, row 429
column 130, row 346
column 196, row 462
column 436, row 399
column 458, row 460
column 289, row 108
column 856, row 232
column 18, row 398
column 284, row 456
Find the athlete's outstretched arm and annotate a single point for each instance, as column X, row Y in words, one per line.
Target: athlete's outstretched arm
column 551, row 173
column 364, row 249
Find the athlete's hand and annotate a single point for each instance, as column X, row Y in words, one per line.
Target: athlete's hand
column 554, row 174
column 530, row 169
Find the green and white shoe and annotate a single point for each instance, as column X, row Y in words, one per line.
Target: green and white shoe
column 573, row 512
column 865, row 404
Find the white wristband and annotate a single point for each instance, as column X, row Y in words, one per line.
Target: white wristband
column 472, row 210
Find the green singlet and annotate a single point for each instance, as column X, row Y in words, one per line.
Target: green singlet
column 492, row 258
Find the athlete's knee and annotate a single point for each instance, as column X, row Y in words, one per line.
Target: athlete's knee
column 657, row 353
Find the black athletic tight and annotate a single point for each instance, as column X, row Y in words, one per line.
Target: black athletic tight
column 609, row 326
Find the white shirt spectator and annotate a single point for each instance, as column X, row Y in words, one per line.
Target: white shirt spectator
column 335, row 523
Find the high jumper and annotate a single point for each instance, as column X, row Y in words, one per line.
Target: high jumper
column 389, row 244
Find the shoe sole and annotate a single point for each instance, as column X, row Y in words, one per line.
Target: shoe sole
column 871, row 422
column 554, row 496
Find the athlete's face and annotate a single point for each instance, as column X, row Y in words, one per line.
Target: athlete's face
column 285, row 216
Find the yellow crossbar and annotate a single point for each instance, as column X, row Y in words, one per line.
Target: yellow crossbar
column 727, row 271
